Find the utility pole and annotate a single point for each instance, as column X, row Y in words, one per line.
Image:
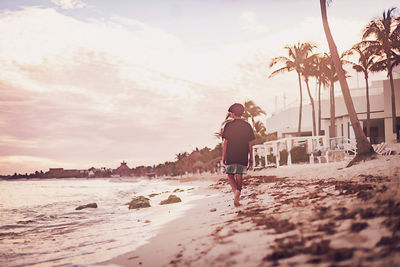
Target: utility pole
column 284, row 101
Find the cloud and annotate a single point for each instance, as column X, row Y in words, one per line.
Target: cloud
column 95, row 92
column 248, row 22
column 69, row 4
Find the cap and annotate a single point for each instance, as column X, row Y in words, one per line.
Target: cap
column 237, row 109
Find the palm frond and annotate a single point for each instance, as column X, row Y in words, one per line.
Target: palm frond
column 379, row 66
column 281, row 70
column 396, row 61
column 276, row 60
column 373, row 28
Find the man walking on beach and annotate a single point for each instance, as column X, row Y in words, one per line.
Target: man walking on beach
column 238, row 141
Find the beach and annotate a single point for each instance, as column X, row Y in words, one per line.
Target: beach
column 305, row 214
column 308, row 215
column 41, row 226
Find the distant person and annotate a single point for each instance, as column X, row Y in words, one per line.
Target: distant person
column 238, row 139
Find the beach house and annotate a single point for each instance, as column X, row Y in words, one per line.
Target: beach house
column 284, row 123
column 331, row 145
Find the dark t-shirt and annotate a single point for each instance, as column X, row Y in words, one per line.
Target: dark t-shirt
column 238, row 133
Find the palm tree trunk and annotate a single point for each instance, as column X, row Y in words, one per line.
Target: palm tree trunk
column 363, row 145
column 393, row 99
column 368, row 107
column 301, row 105
column 319, row 108
column 312, row 108
column 332, row 127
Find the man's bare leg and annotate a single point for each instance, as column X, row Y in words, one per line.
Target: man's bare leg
column 234, row 185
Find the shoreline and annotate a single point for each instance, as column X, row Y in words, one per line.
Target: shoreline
column 163, row 247
column 177, row 229
column 320, row 214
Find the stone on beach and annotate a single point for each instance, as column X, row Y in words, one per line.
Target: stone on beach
column 91, row 205
column 171, row 199
column 139, row 202
column 178, row 190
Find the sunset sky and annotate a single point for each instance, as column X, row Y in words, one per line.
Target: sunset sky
column 91, row 83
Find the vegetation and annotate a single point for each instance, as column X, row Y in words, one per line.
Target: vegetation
column 379, row 50
column 364, row 148
column 299, row 154
column 294, row 62
column 366, row 61
column 251, row 111
column 319, row 72
column 271, row 158
column 206, row 159
column 307, row 72
column 283, row 157
column 386, row 46
column 332, row 77
column 380, row 53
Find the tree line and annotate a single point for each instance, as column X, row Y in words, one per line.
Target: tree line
column 208, row 159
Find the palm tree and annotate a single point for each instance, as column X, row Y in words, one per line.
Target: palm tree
column 259, row 132
column 307, row 72
column 364, row 148
column 386, row 31
column 251, row 110
column 218, row 135
column 182, row 162
column 319, row 72
column 332, row 76
column 294, row 62
column 366, row 60
column 259, row 128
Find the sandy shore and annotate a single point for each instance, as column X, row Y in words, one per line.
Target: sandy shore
column 302, row 215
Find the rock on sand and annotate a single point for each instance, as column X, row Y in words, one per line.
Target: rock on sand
column 91, row 205
column 139, row 202
column 171, row 199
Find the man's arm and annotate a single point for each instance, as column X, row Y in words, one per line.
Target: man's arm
column 224, row 151
column 251, row 154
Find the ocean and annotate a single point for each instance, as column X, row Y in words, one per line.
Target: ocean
column 39, row 225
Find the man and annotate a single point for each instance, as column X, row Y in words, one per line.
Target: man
column 238, row 141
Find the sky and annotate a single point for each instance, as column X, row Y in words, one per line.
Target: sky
column 94, row 82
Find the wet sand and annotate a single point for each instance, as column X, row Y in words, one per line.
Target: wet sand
column 322, row 215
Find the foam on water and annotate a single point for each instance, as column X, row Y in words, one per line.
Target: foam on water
column 40, row 226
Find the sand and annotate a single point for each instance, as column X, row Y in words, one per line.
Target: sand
column 301, row 215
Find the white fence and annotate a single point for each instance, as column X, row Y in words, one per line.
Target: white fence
column 311, row 144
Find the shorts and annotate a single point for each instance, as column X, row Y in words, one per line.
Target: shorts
column 236, row 169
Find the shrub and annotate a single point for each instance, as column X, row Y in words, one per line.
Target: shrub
column 299, row 154
column 283, row 157
column 271, row 158
column 257, row 160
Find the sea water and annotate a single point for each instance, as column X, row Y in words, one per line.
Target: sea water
column 39, row 225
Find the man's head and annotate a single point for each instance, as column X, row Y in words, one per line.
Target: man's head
column 236, row 109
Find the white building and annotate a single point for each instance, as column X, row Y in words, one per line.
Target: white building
column 285, row 123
